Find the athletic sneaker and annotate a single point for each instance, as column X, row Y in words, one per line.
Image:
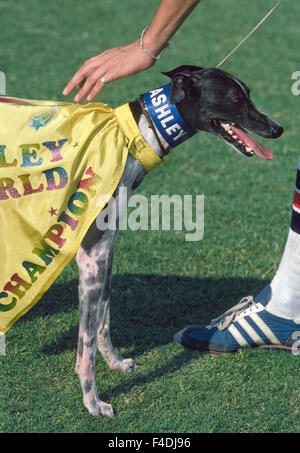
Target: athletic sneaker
column 247, row 324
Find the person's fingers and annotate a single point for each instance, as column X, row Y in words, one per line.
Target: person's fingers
column 99, row 85
column 79, row 77
column 92, row 80
column 80, row 85
column 97, row 88
column 114, row 64
column 76, row 82
column 89, row 74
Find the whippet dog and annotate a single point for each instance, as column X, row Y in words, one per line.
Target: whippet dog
column 208, row 100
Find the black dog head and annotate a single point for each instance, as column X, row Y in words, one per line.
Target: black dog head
column 214, row 101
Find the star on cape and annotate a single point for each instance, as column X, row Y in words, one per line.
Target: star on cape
column 52, row 212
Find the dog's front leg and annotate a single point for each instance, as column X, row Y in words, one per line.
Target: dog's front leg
column 94, row 259
column 107, row 242
column 114, row 361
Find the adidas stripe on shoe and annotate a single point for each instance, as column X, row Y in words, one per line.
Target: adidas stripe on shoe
column 248, row 324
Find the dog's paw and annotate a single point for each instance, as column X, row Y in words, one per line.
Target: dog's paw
column 126, row 365
column 97, row 408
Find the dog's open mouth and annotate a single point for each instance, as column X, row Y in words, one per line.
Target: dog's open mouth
column 240, row 140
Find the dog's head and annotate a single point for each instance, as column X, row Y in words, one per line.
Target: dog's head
column 214, row 101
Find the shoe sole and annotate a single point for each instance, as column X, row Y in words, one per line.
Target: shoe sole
column 277, row 347
column 267, row 347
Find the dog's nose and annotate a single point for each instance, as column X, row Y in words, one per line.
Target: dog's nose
column 276, row 131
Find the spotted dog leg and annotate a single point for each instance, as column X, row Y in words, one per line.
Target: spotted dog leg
column 95, row 264
column 94, row 259
column 105, row 346
column 92, row 275
column 114, row 361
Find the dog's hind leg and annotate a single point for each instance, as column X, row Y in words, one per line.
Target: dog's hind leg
column 92, row 270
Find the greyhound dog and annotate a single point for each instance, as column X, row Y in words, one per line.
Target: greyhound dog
column 208, row 100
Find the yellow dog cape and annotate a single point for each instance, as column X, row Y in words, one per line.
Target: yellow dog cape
column 56, row 160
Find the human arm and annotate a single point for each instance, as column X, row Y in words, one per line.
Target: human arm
column 127, row 60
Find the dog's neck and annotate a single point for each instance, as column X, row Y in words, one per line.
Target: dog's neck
column 159, row 121
column 148, row 129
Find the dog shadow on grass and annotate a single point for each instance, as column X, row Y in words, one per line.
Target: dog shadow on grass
column 146, row 311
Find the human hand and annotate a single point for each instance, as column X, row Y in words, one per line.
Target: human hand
column 113, row 64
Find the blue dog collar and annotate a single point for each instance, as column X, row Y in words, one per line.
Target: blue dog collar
column 166, row 117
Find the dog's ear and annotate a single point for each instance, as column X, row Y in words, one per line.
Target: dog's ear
column 184, row 69
column 177, row 91
column 181, row 80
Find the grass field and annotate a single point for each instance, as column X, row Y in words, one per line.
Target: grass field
column 160, row 281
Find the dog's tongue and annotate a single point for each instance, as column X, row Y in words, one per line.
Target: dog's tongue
column 260, row 150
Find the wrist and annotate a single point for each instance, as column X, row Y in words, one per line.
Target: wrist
column 153, row 44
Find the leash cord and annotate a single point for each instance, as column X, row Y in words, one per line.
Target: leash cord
column 250, row 34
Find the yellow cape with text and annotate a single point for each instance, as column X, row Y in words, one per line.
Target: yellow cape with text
column 56, row 160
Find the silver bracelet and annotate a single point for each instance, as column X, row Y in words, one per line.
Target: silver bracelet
column 166, row 46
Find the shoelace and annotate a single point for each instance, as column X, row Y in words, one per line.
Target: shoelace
column 223, row 321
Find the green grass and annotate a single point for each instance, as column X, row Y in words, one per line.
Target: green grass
column 160, row 282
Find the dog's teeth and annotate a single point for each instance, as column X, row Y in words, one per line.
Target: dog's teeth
column 226, row 126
